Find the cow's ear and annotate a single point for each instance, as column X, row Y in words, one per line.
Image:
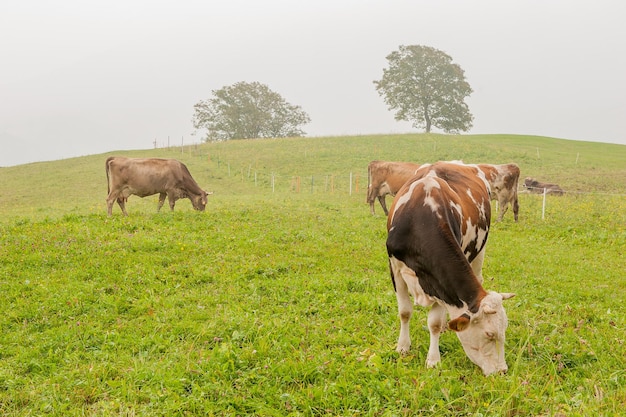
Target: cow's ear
column 507, row 295
column 460, row 323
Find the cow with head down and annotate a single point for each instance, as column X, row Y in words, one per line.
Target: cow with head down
column 148, row 176
column 385, row 178
column 437, row 231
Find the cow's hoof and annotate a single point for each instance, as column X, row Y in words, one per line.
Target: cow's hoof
column 403, row 351
column 432, row 363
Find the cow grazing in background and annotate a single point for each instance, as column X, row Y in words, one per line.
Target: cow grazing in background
column 503, row 180
column 437, row 231
column 536, row 187
column 387, row 178
column 149, row 176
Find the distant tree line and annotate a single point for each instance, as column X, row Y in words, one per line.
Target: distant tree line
column 421, row 85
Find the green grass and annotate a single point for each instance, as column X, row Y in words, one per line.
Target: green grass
column 280, row 303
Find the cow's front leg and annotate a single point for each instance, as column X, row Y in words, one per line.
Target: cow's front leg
column 383, row 204
column 161, row 201
column 436, row 326
column 172, row 200
column 503, row 206
column 121, row 201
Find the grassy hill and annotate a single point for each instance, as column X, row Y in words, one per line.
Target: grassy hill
column 246, row 167
column 277, row 300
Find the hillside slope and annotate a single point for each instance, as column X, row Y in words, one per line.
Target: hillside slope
column 320, row 165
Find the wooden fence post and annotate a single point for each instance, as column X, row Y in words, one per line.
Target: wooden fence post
column 351, row 183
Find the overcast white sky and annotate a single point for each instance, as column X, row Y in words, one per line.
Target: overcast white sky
column 81, row 77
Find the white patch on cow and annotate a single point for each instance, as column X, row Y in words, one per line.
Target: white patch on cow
column 470, row 235
column 479, row 204
column 473, row 232
column 406, row 197
column 384, row 188
column 431, row 183
column 430, row 202
column 400, row 269
column 481, row 237
column 483, row 177
column 457, row 207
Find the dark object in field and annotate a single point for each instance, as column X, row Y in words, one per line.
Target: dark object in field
column 536, row 187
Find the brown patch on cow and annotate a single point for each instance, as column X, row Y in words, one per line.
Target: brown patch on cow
column 460, row 323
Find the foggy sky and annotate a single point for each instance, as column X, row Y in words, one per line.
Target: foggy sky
column 86, row 77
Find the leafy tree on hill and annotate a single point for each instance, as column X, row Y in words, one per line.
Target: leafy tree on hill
column 424, row 87
column 246, row 111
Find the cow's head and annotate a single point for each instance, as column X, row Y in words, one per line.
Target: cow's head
column 482, row 333
column 199, row 201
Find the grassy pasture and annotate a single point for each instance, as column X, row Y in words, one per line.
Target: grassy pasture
column 280, row 303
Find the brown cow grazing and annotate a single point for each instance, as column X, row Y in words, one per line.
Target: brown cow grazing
column 536, row 187
column 437, row 232
column 149, row 176
column 503, row 180
column 387, row 178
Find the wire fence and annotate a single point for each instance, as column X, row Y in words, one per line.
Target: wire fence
column 352, row 182
column 349, row 182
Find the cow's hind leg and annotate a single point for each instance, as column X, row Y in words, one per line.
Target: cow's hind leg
column 112, row 198
column 405, row 310
column 436, row 326
column 110, row 201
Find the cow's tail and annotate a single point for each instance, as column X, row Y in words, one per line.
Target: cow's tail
column 369, row 198
column 106, row 168
column 515, row 200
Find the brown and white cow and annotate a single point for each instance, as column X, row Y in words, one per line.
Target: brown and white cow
column 149, row 176
column 437, row 231
column 503, row 180
column 386, row 178
column 536, row 187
